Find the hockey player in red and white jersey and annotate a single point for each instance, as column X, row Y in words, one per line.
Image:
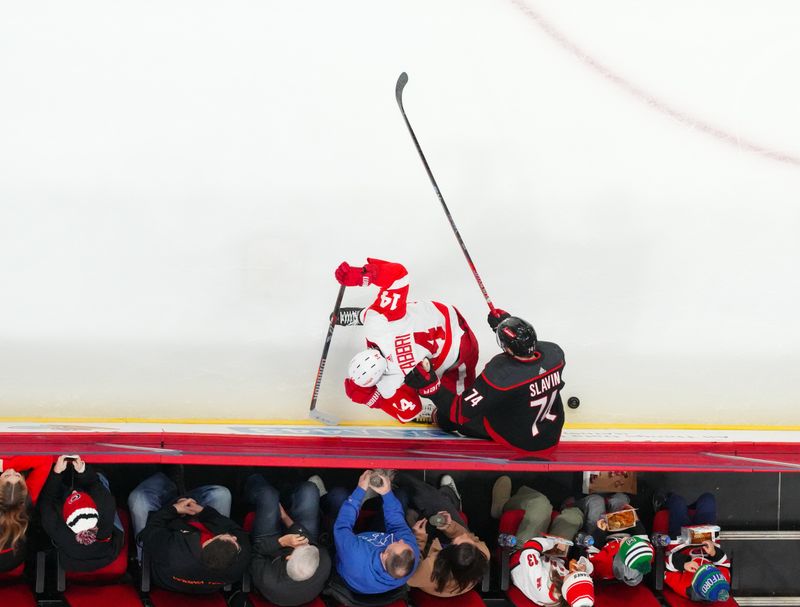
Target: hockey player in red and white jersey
column 404, row 333
column 546, row 580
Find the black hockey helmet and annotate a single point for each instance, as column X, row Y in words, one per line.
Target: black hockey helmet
column 517, row 335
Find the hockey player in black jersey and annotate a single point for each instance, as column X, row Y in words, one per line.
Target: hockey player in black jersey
column 515, row 401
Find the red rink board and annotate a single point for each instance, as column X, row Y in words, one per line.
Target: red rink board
column 393, row 449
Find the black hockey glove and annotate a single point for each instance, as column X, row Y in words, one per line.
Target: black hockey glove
column 348, row 317
column 497, row 316
column 423, row 380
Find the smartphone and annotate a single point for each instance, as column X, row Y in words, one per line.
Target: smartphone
column 70, row 458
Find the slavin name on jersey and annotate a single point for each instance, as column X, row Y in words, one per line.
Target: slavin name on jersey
column 546, row 383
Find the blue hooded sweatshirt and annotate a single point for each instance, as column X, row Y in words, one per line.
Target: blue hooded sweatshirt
column 358, row 557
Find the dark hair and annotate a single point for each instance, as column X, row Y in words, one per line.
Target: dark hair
column 219, row 554
column 13, row 514
column 461, row 564
column 400, row 564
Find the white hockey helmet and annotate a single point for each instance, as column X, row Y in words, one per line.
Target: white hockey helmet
column 367, row 367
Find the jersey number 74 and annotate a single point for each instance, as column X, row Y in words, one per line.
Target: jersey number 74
column 543, row 414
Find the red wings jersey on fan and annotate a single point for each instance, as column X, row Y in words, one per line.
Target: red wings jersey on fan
column 531, row 570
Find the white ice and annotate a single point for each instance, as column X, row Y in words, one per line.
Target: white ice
column 178, row 180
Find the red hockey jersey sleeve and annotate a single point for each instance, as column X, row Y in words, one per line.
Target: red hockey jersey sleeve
column 404, row 405
column 392, row 278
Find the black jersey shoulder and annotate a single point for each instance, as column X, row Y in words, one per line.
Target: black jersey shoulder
column 505, row 372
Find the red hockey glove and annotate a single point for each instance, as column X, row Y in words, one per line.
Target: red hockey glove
column 355, row 276
column 497, row 316
column 362, row 396
column 422, row 379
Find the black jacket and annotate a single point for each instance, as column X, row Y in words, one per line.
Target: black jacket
column 174, row 549
column 269, row 573
column 11, row 558
column 75, row 556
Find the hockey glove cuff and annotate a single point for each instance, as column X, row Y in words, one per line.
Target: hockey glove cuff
column 360, row 395
column 423, row 381
column 497, row 316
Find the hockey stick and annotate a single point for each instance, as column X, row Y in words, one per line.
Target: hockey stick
column 398, row 92
column 325, row 418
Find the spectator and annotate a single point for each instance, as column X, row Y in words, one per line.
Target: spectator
column 538, row 568
column 702, row 512
column 454, row 560
column 79, row 514
column 289, row 568
column 697, row 572
column 374, row 562
column 21, row 481
column 537, row 520
column 626, row 555
column 193, row 545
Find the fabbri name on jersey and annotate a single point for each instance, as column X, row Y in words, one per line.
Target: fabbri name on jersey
column 404, row 351
column 546, row 383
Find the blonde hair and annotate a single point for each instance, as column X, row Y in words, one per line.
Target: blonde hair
column 13, row 514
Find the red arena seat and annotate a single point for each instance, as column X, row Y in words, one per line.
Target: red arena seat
column 397, row 603
column 18, row 595
column 164, row 598
column 515, row 595
column 13, row 575
column 259, row 601
column 510, row 521
column 99, row 588
column 468, row 599
column 615, row 594
column 114, row 570
column 675, row 600
column 118, row 595
column 661, row 522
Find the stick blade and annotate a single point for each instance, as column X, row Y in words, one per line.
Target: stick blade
column 402, row 80
column 326, row 418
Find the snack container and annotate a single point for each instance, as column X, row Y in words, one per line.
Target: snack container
column 697, row 534
column 621, row 520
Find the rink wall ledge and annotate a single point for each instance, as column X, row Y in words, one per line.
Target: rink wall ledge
column 351, row 445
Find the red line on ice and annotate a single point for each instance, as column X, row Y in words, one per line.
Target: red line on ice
column 649, row 99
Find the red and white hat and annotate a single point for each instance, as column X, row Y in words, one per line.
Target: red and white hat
column 578, row 589
column 80, row 512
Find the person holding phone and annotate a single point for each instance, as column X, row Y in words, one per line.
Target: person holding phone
column 79, row 514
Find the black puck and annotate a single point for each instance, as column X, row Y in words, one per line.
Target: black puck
column 573, row 402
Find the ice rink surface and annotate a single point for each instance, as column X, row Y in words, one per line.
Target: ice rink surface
column 179, row 179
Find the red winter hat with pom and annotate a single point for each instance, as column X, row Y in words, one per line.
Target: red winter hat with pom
column 80, row 512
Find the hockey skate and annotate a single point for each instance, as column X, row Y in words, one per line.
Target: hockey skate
column 427, row 415
column 348, row 317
